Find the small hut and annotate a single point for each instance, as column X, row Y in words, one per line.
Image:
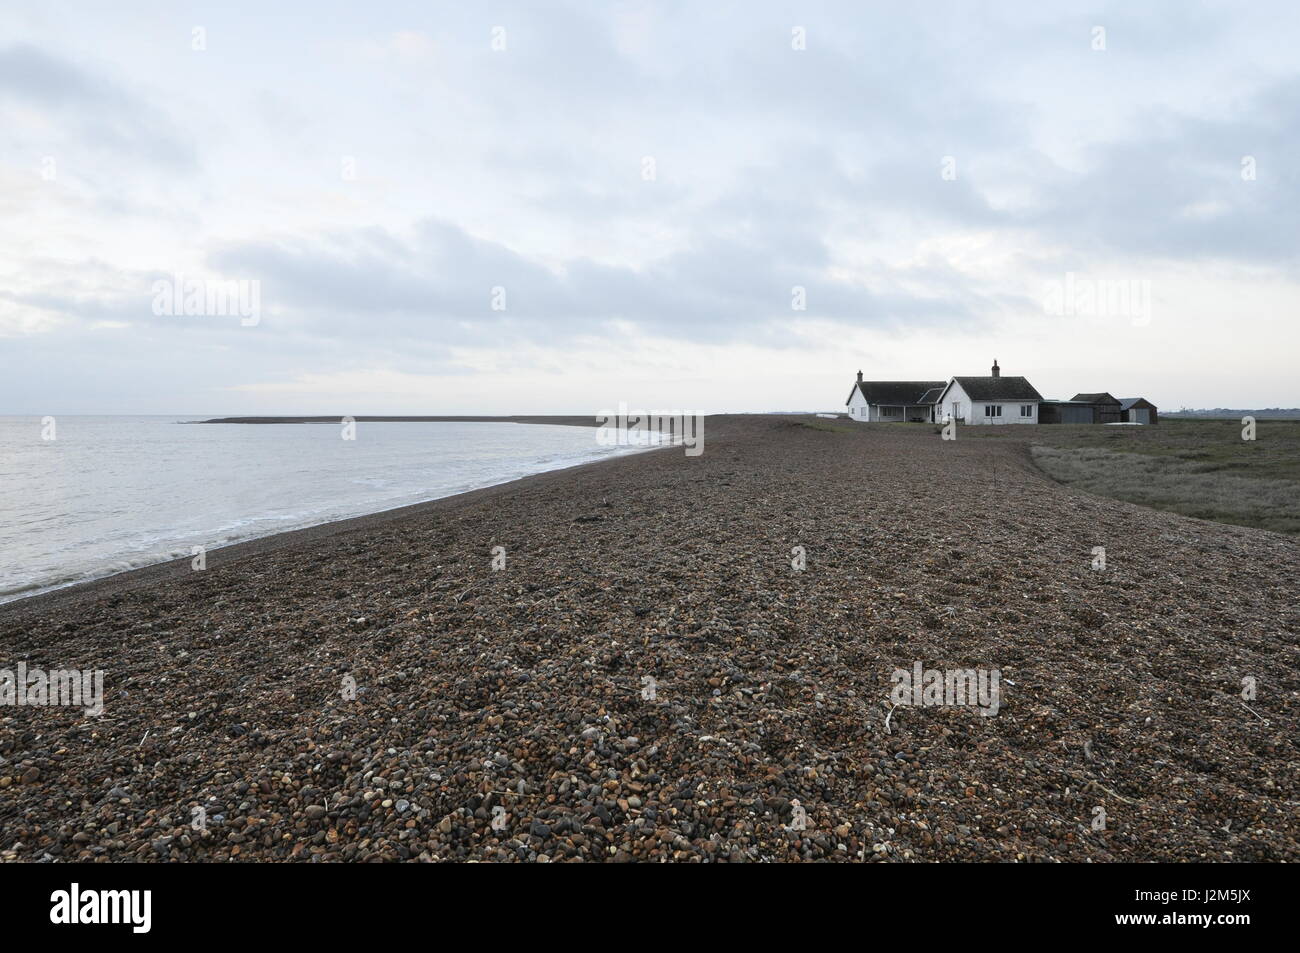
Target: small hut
column 1138, row 410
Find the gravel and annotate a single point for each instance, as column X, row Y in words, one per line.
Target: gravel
column 649, row 679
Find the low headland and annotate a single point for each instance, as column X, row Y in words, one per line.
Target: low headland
column 569, row 420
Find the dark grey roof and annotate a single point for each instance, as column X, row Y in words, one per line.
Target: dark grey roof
column 932, row 395
column 898, row 393
column 998, row 388
column 1102, row 398
column 1126, row 403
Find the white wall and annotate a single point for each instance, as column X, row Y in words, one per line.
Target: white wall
column 1010, row 412
column 952, row 397
column 957, row 403
column 857, row 405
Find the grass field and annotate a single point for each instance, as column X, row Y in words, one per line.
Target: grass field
column 1199, row 468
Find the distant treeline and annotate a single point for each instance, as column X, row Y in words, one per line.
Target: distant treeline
column 1293, row 412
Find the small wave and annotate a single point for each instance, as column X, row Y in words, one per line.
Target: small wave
column 105, row 518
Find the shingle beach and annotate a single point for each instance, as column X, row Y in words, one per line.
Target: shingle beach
column 650, row 677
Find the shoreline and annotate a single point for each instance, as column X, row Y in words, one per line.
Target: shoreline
column 70, row 594
column 559, row 420
column 179, row 561
column 651, row 677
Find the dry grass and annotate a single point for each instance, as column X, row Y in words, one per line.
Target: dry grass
column 827, row 426
column 1196, row 467
column 1217, row 444
column 1205, row 489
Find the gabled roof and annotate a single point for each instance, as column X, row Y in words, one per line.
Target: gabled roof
column 932, row 395
column 1102, row 398
column 996, row 388
column 897, row 393
column 1126, row 403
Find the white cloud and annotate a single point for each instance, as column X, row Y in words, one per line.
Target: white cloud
column 523, row 169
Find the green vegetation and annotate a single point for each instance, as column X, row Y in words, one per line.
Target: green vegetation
column 1165, row 483
column 1196, row 467
column 829, row 426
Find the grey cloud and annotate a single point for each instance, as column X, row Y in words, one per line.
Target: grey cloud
column 1177, row 191
column 720, row 288
column 99, row 113
column 768, row 159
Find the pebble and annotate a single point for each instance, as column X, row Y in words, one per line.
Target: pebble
column 525, row 688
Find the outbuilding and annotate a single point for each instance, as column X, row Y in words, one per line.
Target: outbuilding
column 1105, row 408
column 1066, row 412
column 1137, row 410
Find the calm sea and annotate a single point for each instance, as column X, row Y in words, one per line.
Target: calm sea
column 109, row 494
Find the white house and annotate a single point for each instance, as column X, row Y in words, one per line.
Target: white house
column 989, row 400
column 897, row 401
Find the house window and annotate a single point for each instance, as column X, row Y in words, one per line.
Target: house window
column 891, row 411
column 992, row 410
column 956, row 409
column 1026, row 410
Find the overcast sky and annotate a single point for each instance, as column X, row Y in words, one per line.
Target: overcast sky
column 551, row 207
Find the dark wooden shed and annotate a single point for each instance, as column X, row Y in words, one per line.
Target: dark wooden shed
column 1066, row 412
column 1105, row 408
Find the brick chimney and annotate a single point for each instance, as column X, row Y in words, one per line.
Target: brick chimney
column 859, row 377
column 997, row 371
